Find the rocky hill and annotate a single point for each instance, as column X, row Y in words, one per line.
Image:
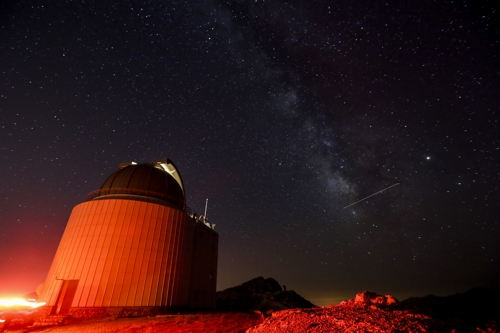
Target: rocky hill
column 259, row 295
column 473, row 307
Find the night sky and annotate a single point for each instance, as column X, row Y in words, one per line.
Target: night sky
column 281, row 113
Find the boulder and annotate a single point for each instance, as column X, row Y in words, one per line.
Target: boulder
column 368, row 297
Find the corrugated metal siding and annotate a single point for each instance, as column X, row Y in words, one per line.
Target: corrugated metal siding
column 124, row 253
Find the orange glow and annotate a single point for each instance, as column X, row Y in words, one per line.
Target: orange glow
column 18, row 302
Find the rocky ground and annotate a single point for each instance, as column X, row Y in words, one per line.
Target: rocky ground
column 263, row 305
column 367, row 312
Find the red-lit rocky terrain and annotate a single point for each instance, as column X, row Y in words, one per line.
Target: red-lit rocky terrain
column 369, row 312
column 262, row 305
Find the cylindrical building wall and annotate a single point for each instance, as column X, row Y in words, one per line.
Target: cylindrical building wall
column 123, row 253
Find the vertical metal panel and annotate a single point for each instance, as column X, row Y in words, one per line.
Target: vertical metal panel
column 72, row 229
column 166, row 295
column 91, row 236
column 148, row 297
column 99, row 255
column 109, row 218
column 154, row 262
column 159, row 273
column 80, row 258
column 99, row 260
column 161, row 267
column 132, row 246
column 115, row 251
column 175, row 271
column 119, row 266
column 174, row 257
column 120, row 295
column 138, row 272
column 144, row 248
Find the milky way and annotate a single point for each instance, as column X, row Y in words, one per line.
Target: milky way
column 281, row 113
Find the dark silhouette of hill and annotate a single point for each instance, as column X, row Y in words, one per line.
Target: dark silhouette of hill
column 475, row 306
column 261, row 295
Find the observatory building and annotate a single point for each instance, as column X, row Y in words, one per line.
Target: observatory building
column 134, row 243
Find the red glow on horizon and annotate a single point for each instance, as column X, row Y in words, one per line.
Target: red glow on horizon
column 18, row 303
column 25, row 262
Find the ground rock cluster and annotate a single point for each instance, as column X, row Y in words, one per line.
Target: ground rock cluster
column 367, row 297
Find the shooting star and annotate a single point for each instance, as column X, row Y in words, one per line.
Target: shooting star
column 372, row 195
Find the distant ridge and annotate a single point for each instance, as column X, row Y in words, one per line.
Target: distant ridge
column 259, row 295
column 474, row 306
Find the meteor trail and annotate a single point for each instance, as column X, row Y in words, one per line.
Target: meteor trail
column 372, row 195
